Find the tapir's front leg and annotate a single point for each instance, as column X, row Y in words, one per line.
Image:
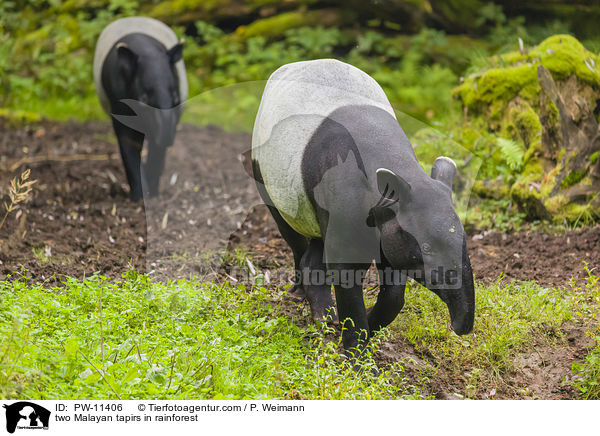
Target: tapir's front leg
column 153, row 168
column 130, row 145
column 351, row 306
column 390, row 299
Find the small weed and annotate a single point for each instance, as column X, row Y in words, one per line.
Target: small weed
column 19, row 191
column 42, row 254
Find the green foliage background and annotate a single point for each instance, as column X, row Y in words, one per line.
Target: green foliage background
column 46, row 46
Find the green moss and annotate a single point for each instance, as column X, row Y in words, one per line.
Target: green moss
column 499, row 85
column 528, row 125
column 555, row 204
column 175, row 7
column 553, row 114
column 527, row 198
column 573, row 213
column 505, row 100
column 225, row 7
column 495, row 189
column 278, row 24
column 533, row 170
column 564, row 56
column 523, row 189
column 549, row 181
column 573, row 178
column 516, row 74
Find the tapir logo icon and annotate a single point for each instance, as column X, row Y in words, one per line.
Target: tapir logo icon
column 26, row 415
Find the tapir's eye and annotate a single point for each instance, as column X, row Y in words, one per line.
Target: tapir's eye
column 426, row 248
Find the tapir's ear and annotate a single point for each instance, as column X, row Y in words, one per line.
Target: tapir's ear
column 127, row 60
column 175, row 53
column 392, row 187
column 444, row 170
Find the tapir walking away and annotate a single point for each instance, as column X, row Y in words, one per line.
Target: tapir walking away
column 344, row 185
column 140, row 79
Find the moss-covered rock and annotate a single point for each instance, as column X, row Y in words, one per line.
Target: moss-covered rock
column 543, row 101
column 277, row 25
column 515, row 74
column 214, row 11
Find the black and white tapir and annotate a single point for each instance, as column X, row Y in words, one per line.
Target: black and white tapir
column 344, row 185
column 140, row 79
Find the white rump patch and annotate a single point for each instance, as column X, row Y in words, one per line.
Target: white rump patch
column 296, row 99
column 125, row 26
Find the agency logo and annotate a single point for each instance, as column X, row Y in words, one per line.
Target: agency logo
column 26, row 415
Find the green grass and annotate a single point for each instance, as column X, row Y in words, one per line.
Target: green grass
column 587, row 374
column 510, row 320
column 135, row 338
column 507, row 318
column 139, row 339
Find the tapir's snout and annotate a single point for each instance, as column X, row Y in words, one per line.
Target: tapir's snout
column 462, row 321
column 166, row 126
column 461, row 301
column 461, row 306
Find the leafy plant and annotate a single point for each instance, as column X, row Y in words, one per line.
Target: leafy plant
column 511, row 152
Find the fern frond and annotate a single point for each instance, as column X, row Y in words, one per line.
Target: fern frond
column 512, row 152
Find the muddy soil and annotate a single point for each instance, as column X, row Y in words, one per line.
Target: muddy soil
column 80, row 221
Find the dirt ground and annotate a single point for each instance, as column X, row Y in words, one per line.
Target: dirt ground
column 80, row 221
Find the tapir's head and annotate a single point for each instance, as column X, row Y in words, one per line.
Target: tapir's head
column 422, row 234
column 148, row 69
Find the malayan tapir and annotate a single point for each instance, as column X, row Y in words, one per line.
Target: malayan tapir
column 345, row 188
column 140, row 79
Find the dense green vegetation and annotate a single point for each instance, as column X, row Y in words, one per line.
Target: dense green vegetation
column 47, row 47
column 135, row 338
column 138, row 339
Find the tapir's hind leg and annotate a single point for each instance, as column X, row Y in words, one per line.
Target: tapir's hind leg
column 315, row 281
column 297, row 242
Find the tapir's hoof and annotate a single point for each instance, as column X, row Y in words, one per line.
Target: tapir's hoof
column 297, row 293
column 135, row 197
column 328, row 316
